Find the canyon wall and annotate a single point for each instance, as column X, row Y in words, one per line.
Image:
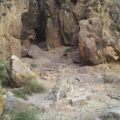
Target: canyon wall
column 10, row 27
column 93, row 26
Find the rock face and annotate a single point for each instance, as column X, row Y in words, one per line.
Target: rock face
column 98, row 36
column 91, row 25
column 10, row 27
column 41, row 24
column 53, row 36
column 30, row 23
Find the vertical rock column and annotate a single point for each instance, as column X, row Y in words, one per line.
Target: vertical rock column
column 10, row 28
column 53, row 36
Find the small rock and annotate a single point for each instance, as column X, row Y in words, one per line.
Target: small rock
column 111, row 114
column 35, row 52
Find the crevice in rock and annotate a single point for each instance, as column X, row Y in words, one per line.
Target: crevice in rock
column 34, row 24
column 42, row 19
column 74, row 1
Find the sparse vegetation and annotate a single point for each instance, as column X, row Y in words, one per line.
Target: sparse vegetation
column 68, row 50
column 30, row 87
column 21, row 93
column 21, row 115
column 30, row 115
column 112, row 2
column 33, row 86
column 36, row 114
column 33, row 65
column 3, row 74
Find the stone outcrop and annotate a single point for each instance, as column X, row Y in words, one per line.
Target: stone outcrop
column 10, row 27
column 19, row 73
column 41, row 24
column 98, row 37
column 93, row 26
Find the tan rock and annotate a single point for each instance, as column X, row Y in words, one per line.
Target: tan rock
column 53, row 36
column 19, row 72
column 10, row 27
column 97, row 40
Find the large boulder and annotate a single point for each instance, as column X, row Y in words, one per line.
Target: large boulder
column 19, row 72
column 99, row 35
column 20, row 75
column 69, row 28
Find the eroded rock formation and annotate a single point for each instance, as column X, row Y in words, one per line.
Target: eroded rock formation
column 91, row 25
column 98, row 37
column 10, row 27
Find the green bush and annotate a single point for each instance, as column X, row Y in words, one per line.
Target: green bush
column 33, row 86
column 20, row 93
column 2, row 70
column 112, row 2
column 68, row 50
column 29, row 115
column 3, row 74
column 25, row 115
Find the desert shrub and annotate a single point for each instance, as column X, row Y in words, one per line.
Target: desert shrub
column 2, row 70
column 68, row 50
column 3, row 74
column 33, row 86
column 21, row 93
column 33, row 65
column 112, row 2
column 30, row 86
column 26, row 115
column 30, row 115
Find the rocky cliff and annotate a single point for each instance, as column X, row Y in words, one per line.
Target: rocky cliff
column 10, row 27
column 91, row 25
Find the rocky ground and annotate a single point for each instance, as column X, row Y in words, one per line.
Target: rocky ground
column 73, row 90
column 64, row 88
